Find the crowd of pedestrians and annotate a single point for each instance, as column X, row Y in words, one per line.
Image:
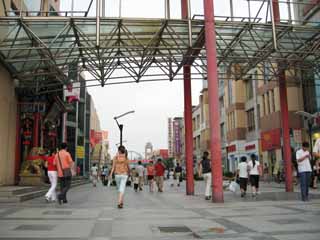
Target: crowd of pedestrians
column 60, row 166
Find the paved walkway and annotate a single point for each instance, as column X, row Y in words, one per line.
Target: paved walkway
column 92, row 214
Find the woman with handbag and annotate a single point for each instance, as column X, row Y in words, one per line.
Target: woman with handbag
column 121, row 169
column 64, row 163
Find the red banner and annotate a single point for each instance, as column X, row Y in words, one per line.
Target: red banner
column 271, row 139
column 164, row 153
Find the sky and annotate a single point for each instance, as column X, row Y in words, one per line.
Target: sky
column 155, row 102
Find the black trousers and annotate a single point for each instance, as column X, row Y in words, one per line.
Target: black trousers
column 65, row 183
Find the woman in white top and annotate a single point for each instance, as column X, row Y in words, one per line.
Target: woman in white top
column 243, row 175
column 254, row 172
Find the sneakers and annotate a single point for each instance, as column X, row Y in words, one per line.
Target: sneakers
column 208, row 197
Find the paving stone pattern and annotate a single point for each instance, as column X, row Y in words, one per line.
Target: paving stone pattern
column 92, row 214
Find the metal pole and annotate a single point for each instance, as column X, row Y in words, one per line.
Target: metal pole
column 249, row 10
column 120, row 6
column 213, row 93
column 98, row 11
column 76, row 134
column 231, row 10
column 72, row 8
column 121, row 129
column 274, row 18
column 289, row 11
column 189, row 24
column 103, row 8
column 167, row 9
column 284, row 112
column 188, row 114
column 20, row 8
column 310, row 134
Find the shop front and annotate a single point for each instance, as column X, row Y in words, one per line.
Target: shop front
column 39, row 130
column 271, row 150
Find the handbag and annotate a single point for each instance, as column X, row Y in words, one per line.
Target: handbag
column 65, row 172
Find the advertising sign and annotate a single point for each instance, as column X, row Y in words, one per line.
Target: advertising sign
column 80, row 152
column 72, row 92
column 271, row 139
column 177, row 137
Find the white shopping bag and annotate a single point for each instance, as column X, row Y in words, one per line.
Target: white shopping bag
column 234, row 187
column 109, row 182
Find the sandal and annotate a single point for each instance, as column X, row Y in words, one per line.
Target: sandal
column 120, row 205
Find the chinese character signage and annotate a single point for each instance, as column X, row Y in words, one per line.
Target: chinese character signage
column 177, row 137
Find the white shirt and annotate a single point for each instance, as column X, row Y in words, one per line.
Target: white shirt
column 254, row 170
column 94, row 170
column 140, row 170
column 243, row 170
column 305, row 165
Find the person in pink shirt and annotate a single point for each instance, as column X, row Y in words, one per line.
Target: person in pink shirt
column 64, row 163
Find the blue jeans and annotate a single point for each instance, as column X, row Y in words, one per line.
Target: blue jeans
column 305, row 178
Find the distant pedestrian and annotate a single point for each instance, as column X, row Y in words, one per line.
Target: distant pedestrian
column 104, row 175
column 304, row 169
column 254, row 172
column 205, row 165
column 120, row 166
column 140, row 171
column 316, row 166
column 266, row 174
column 94, row 174
column 64, row 163
column 171, row 177
column 150, row 174
column 242, row 173
column 178, row 174
column 159, row 174
column 51, row 195
column 135, row 180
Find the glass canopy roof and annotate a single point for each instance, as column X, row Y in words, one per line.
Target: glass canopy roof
column 52, row 47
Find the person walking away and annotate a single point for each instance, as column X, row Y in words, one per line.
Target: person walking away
column 316, row 174
column 178, row 173
column 242, row 173
column 159, row 173
column 304, row 169
column 254, row 172
column 150, row 174
column 64, row 163
column 51, row 195
column 316, row 167
column 135, row 180
column 121, row 169
column 171, row 177
column 205, row 165
column 105, row 172
column 94, row 174
column 140, row 171
column 266, row 174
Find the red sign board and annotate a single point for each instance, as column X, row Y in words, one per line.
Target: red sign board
column 231, row 148
column 271, row 139
column 250, row 147
column 164, row 153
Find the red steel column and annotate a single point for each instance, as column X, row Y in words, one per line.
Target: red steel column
column 36, row 127
column 284, row 112
column 213, row 92
column 188, row 115
column 18, row 147
column 188, row 129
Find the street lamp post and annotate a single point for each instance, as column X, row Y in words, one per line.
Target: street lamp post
column 121, row 125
